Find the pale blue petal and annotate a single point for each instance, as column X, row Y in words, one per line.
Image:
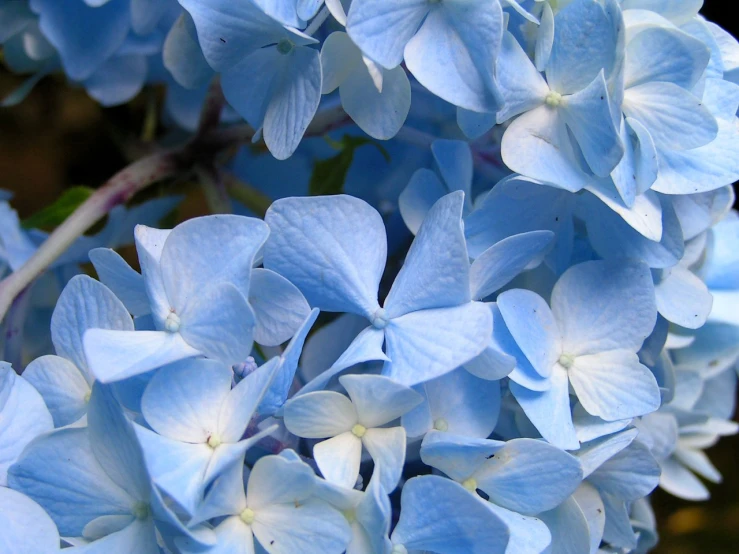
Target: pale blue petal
column 721, row 98
column 429, row 343
column 219, row 323
column 417, row 199
column 279, row 390
column 589, row 305
column 474, row 124
column 383, row 28
column 313, row 526
column 518, row 205
column 466, row 404
column 380, row 114
column 701, row 169
column 279, row 307
column 374, row 514
column 183, row 57
column 140, row 537
column 451, row 53
column 675, row 10
column 85, row 304
column 613, row 385
column 455, row 163
column 532, row 324
column 435, row 273
column 529, row 535
column 118, row 80
column 27, row 528
column 679, row 481
column 457, row 456
column 588, row 115
column 537, row 145
column 319, row 415
column 504, row 358
column 277, row 480
column 284, row 11
column 84, row 36
column 61, row 473
column 675, row 118
column 387, row 449
column 149, row 244
column 665, row 55
column 24, row 417
column 618, row 530
column 522, row 85
column 440, row 515
column 499, row 264
column 177, row 468
column 332, row 248
column 594, row 454
column 645, row 215
column 206, row 251
column 339, row 458
column 283, row 100
column 544, row 38
column 117, row 275
column 242, row 402
column 307, row 9
column 586, row 36
column 377, row 399
column 117, row 355
column 229, row 31
column 328, row 343
column 114, row 443
column 366, row 347
column 613, row 238
column 569, row 528
column 183, row 400
column 683, row 298
column 637, row 170
column 62, row 386
column 549, row 410
column 529, row 476
column 628, row 475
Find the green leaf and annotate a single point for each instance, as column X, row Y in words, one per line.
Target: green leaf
column 329, row 175
column 54, row 215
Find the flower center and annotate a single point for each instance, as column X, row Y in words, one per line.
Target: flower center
column 350, row 516
column 247, row 516
column 379, row 319
column 566, row 360
column 140, row 510
column 87, row 396
column 172, row 323
column 285, row 46
column 470, row 484
column 214, row 441
column 399, row 549
column 441, row 424
column 359, row 430
column 553, row 99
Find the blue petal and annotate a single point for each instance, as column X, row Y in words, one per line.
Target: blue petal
column 452, row 51
column 436, row 270
column 332, row 248
column 84, row 36
column 282, row 100
column 440, row 515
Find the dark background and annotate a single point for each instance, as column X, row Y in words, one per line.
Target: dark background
column 59, row 138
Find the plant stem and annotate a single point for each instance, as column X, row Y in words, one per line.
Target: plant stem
column 118, row 190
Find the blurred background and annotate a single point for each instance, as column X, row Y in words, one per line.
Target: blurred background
column 59, row 138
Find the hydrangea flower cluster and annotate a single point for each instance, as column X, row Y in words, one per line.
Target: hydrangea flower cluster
column 517, row 319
